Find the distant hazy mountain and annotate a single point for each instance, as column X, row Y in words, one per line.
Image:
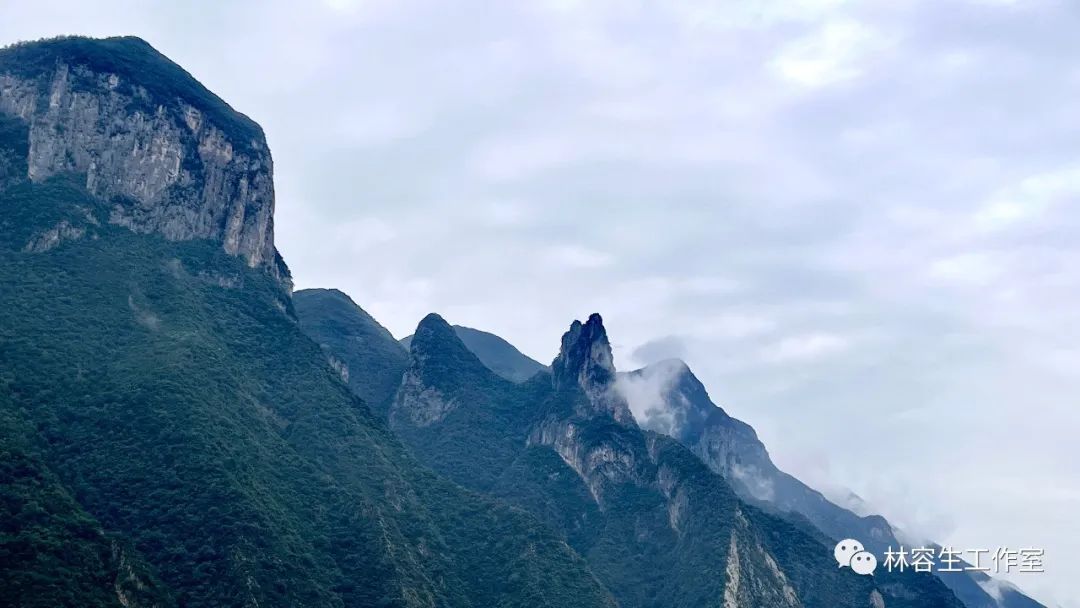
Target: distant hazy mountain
column 669, row 399
column 168, row 435
column 497, row 354
column 657, row 527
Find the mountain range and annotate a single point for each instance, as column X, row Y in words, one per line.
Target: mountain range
column 170, row 436
column 642, row 509
column 677, row 404
column 177, row 428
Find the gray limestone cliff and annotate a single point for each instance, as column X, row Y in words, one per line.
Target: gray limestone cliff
column 169, row 156
column 585, row 363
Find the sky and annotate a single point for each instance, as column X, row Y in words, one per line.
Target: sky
column 856, row 221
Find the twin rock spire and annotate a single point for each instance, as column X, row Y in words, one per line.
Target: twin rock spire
column 584, row 362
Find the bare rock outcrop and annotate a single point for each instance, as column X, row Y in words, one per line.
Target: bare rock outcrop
column 167, row 155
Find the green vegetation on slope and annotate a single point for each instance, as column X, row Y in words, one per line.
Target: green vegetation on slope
column 196, row 424
column 654, row 523
column 496, row 354
column 374, row 360
column 52, row 553
column 489, row 412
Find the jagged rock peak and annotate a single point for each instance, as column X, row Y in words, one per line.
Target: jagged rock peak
column 170, row 156
column 585, row 356
column 585, row 362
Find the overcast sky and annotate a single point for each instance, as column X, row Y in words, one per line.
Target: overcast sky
column 856, row 221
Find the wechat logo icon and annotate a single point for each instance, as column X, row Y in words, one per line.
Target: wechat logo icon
column 850, row 553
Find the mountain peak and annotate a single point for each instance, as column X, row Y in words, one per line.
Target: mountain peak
column 170, row 156
column 668, row 398
column 433, row 319
column 440, row 371
column 133, row 62
column 673, row 364
column 585, row 362
column 436, row 346
column 495, row 353
column 585, row 356
column 432, row 329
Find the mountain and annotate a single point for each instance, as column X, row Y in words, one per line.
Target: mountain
column 671, row 400
column 497, row 354
column 165, row 154
column 655, row 524
column 373, row 360
column 168, row 434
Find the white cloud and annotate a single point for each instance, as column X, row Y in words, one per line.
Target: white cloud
column 507, row 213
column 519, row 157
column 1030, row 199
column 832, row 54
column 646, row 393
column 975, row 268
column 376, row 124
column 805, row 348
column 733, row 326
column 577, row 256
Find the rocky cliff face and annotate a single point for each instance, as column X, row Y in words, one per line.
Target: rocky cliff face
column 421, row 399
column 585, row 363
column 169, row 156
column 589, row 438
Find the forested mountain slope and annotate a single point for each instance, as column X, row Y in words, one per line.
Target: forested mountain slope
column 168, row 434
column 655, row 524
